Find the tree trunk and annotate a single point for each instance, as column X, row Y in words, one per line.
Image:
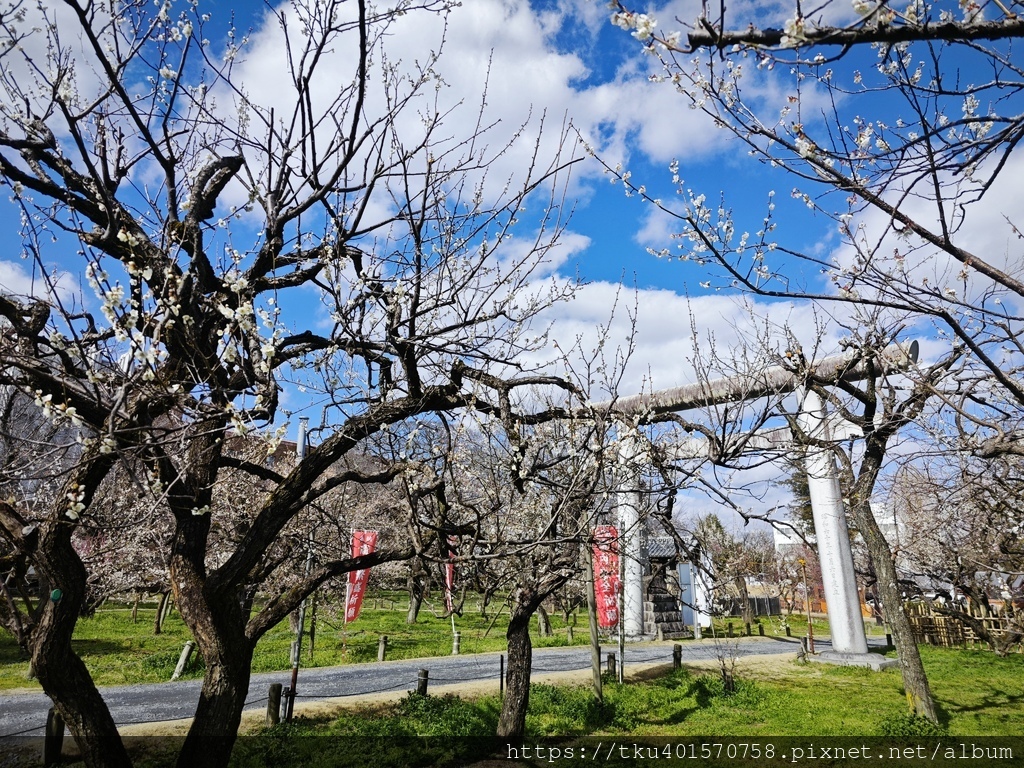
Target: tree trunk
column 486, row 597
column 215, row 725
column 415, row 587
column 415, row 603
column 215, row 617
column 61, row 672
column 161, row 606
column 915, row 681
column 745, row 613
column 67, row 682
column 543, row 622
column 218, row 627
column 512, row 720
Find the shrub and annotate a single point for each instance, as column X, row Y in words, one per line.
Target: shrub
column 910, row 725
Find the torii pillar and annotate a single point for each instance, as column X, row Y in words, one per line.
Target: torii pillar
column 627, row 500
column 833, row 536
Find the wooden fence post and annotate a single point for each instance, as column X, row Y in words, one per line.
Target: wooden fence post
column 274, row 704
column 53, row 741
column 183, row 660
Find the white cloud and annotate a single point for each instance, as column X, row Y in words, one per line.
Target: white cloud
column 911, row 267
column 655, row 339
column 512, row 56
column 16, row 280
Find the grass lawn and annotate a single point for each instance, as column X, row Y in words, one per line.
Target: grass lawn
column 118, row 651
column 978, row 694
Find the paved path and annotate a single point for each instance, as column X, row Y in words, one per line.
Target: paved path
column 24, row 714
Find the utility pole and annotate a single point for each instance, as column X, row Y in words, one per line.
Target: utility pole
column 807, row 602
column 300, row 453
column 595, row 640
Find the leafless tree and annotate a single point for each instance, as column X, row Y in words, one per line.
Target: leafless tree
column 530, row 503
column 344, row 242
column 959, row 526
column 899, row 127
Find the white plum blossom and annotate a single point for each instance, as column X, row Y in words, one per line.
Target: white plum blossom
column 643, row 26
column 805, row 147
column 127, row 237
column 76, row 502
column 794, row 32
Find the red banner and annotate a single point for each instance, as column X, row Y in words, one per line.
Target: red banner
column 606, row 575
column 363, row 543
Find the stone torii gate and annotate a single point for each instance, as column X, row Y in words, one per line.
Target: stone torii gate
column 849, row 643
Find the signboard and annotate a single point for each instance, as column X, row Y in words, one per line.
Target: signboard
column 606, row 575
column 363, row 543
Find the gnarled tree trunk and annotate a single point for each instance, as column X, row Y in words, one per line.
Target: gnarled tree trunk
column 512, row 720
column 416, row 588
column 61, row 672
column 219, row 712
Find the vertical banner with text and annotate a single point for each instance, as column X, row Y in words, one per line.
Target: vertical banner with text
column 363, row 543
column 606, row 575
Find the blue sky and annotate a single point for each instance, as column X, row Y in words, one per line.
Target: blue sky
column 564, row 60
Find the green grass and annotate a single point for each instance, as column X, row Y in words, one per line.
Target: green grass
column 978, row 694
column 115, row 650
column 118, row 651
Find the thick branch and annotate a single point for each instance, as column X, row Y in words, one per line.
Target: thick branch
column 288, row 601
column 859, row 35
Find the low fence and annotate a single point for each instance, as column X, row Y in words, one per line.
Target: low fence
column 759, row 606
column 934, row 627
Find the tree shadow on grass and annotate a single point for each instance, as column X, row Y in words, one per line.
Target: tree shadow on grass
column 995, row 698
